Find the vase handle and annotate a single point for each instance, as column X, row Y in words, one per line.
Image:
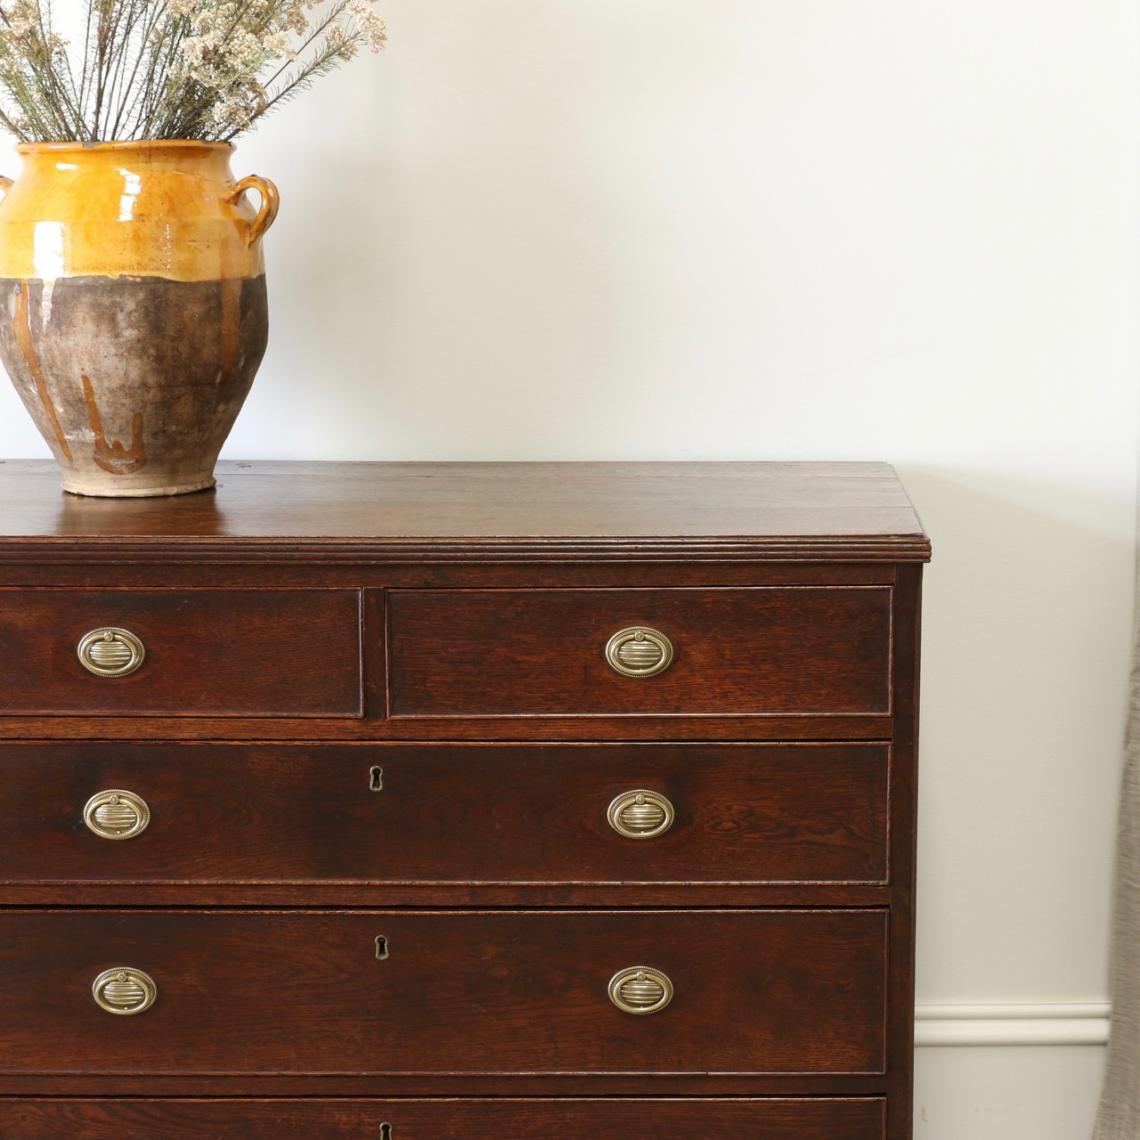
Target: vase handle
column 6, row 184
column 270, row 204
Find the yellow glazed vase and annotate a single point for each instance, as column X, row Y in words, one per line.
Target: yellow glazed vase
column 134, row 311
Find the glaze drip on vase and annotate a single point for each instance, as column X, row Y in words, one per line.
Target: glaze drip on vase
column 133, row 307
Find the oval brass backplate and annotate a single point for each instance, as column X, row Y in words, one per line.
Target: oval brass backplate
column 640, row 990
column 110, row 651
column 116, row 814
column 124, row 991
column 640, row 814
column 639, row 651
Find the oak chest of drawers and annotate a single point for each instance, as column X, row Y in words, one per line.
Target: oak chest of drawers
column 416, row 801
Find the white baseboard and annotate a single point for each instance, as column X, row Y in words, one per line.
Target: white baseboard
column 1043, row 1023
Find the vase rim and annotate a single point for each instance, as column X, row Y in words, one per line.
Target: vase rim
column 126, row 145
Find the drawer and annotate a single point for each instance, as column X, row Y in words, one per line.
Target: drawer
column 203, row 652
column 462, row 814
column 531, row 1119
column 759, row 651
column 403, row 992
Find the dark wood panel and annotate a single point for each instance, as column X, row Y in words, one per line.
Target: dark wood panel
column 640, row 1119
column 477, row 814
column 541, row 652
column 217, row 652
column 701, row 729
column 509, row 992
column 243, row 1085
column 73, row 567
column 263, row 893
column 904, row 837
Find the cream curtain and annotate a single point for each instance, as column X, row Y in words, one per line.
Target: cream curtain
column 1119, row 1116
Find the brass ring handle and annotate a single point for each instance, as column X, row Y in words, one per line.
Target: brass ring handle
column 640, row 814
column 111, row 652
column 267, row 212
column 124, row 991
column 640, row 990
column 116, row 814
column 639, row 651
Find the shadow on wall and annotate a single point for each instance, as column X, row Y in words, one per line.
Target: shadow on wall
column 1025, row 670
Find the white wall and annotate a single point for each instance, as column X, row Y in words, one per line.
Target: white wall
column 900, row 229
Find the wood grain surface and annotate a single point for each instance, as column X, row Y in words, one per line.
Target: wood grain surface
column 473, row 815
column 515, row 993
column 541, row 652
column 217, row 652
column 788, row 510
column 503, row 1119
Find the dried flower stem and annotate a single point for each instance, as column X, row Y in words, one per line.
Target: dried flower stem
column 201, row 69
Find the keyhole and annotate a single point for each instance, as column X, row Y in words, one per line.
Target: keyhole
column 381, row 948
column 376, row 778
column 385, row 1132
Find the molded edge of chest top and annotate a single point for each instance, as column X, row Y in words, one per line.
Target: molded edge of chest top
column 471, row 511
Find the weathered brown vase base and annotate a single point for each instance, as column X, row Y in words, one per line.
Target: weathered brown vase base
column 135, row 382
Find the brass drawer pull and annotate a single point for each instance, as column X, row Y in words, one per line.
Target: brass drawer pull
column 124, row 991
column 116, row 814
column 111, row 652
column 640, row 814
column 640, row 990
column 639, row 652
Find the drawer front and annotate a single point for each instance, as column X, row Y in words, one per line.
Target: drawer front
column 447, row 992
column 532, row 1119
column 204, row 652
column 760, row 651
column 457, row 814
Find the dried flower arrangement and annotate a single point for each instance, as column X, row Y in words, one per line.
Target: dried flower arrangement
column 168, row 69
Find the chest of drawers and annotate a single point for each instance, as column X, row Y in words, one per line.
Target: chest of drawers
column 416, row 801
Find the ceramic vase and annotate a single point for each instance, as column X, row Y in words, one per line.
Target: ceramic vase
column 133, row 311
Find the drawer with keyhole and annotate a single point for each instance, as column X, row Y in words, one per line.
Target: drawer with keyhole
column 492, row 814
column 543, row 992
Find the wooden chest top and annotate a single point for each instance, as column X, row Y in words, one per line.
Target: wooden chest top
column 815, row 511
